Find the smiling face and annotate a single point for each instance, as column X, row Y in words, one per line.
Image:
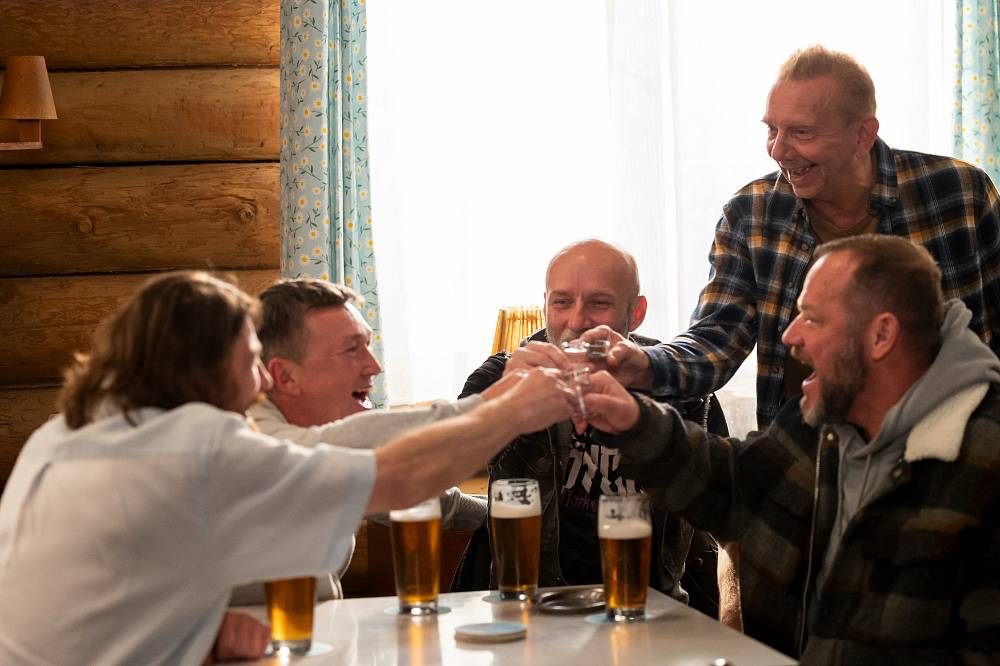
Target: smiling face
column 336, row 370
column 825, row 337
column 590, row 284
column 818, row 149
column 248, row 376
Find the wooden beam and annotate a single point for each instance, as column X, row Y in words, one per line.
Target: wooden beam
column 44, row 320
column 141, row 218
column 21, row 412
column 174, row 115
column 141, row 33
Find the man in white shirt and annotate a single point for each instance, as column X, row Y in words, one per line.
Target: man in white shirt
column 316, row 347
column 130, row 516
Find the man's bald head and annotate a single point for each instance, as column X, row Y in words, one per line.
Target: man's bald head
column 589, row 283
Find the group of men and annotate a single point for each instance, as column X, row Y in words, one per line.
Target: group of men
column 865, row 510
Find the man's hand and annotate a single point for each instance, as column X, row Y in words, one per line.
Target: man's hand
column 538, row 399
column 537, row 354
column 240, row 637
column 609, row 406
column 626, row 360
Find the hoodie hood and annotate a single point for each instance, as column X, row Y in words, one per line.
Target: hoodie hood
column 938, row 405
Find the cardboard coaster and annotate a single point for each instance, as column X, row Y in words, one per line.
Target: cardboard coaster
column 395, row 610
column 490, row 632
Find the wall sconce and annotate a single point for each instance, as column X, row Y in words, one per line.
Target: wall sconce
column 26, row 98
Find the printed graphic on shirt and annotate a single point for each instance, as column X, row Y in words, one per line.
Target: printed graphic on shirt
column 592, row 471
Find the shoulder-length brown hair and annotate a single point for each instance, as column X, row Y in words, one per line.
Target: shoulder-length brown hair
column 168, row 346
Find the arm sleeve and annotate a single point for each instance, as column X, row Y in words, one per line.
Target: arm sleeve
column 272, row 509
column 723, row 327
column 485, row 375
column 988, row 233
column 372, row 429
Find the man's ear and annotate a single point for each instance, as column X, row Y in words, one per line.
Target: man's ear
column 882, row 335
column 867, row 133
column 285, row 375
column 638, row 312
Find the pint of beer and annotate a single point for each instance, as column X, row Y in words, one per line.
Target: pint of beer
column 516, row 532
column 416, row 556
column 290, row 611
column 625, row 535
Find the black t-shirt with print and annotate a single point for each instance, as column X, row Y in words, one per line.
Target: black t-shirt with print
column 591, row 471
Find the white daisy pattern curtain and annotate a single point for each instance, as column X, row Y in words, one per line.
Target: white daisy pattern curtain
column 326, row 222
column 977, row 107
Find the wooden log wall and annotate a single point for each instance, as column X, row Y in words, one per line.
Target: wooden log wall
column 164, row 157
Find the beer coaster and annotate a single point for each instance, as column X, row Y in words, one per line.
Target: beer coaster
column 395, row 610
column 490, row 632
column 584, row 599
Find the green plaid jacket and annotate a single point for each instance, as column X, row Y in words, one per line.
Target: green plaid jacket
column 916, row 579
column 763, row 246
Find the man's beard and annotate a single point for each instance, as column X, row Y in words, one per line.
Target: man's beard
column 568, row 334
column 837, row 393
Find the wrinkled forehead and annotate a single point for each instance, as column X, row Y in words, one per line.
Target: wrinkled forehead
column 592, row 270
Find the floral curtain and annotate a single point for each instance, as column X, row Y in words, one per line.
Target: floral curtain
column 977, row 112
column 326, row 221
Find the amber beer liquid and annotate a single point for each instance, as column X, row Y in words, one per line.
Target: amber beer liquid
column 625, row 555
column 290, row 612
column 516, row 532
column 416, row 556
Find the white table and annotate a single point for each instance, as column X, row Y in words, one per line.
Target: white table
column 361, row 633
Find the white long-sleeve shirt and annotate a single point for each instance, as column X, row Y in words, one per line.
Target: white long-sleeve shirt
column 120, row 543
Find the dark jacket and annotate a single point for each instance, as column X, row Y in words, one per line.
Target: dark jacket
column 916, row 577
column 685, row 561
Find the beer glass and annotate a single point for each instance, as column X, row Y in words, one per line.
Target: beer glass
column 290, row 611
column 516, row 532
column 625, row 535
column 416, row 556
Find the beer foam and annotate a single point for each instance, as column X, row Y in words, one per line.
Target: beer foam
column 630, row 528
column 500, row 510
column 425, row 511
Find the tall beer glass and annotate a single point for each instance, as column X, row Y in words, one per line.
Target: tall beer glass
column 416, row 556
column 290, row 611
column 625, row 534
column 516, row 532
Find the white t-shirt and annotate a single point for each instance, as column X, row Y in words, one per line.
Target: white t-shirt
column 120, row 543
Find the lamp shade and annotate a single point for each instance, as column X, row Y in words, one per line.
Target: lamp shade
column 515, row 324
column 26, row 92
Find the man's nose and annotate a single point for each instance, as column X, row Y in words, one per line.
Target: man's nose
column 791, row 337
column 778, row 148
column 579, row 320
column 372, row 367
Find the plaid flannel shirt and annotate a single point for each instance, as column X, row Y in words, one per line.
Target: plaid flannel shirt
column 764, row 244
column 917, row 573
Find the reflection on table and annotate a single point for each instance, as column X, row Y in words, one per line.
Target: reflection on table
column 360, row 632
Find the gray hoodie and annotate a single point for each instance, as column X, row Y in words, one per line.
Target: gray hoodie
column 927, row 422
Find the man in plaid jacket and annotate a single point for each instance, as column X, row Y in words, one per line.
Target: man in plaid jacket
column 868, row 513
column 836, row 178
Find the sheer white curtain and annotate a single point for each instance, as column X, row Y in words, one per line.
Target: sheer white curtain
column 501, row 131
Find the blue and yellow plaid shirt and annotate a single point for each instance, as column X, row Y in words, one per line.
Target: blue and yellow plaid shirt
column 764, row 244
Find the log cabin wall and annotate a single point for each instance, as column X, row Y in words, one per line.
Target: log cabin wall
column 164, row 156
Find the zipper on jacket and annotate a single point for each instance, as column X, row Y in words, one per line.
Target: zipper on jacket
column 812, row 545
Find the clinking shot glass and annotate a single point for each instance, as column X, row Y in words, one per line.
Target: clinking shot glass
column 581, row 355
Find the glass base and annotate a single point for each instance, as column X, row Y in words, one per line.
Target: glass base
column 428, row 608
column 517, row 595
column 300, row 647
column 625, row 614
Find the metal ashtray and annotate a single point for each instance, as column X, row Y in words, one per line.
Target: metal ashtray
column 583, row 599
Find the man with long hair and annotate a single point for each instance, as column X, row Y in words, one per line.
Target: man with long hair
column 130, row 516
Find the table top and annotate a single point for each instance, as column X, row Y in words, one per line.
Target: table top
column 358, row 631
